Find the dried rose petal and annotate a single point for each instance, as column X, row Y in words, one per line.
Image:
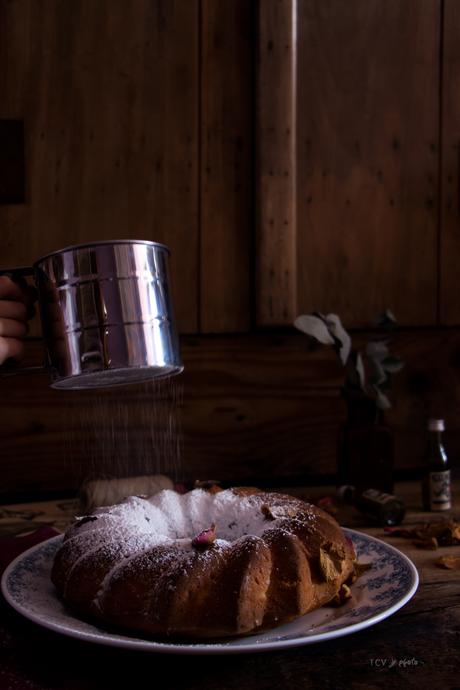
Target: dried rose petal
column 205, row 538
column 267, row 513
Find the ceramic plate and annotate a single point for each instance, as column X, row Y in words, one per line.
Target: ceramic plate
column 381, row 591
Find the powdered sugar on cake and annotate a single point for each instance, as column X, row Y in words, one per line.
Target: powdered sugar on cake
column 201, row 564
column 171, row 517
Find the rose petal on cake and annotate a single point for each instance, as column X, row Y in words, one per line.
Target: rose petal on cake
column 205, row 538
column 266, row 512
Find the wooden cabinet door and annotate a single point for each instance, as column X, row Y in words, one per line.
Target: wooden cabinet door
column 348, row 159
column 109, row 96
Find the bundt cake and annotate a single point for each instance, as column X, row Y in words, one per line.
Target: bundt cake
column 203, row 564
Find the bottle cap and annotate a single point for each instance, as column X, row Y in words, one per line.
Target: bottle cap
column 436, row 425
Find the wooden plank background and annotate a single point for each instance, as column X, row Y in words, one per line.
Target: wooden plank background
column 110, row 105
column 226, row 189
column 366, row 120
column 449, row 302
column 368, row 158
column 276, row 161
column 250, row 406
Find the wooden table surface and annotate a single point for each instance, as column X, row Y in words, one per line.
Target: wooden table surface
column 417, row 647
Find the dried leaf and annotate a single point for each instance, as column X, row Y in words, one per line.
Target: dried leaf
column 455, row 531
column 360, row 568
column 430, row 544
column 327, row 566
column 377, row 349
column 386, row 320
column 342, row 595
column 339, row 333
column 449, row 562
column 360, row 371
column 378, row 373
column 314, row 327
column 445, row 532
column 382, row 401
column 330, row 560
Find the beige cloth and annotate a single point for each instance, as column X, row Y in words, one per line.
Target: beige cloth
column 106, row 492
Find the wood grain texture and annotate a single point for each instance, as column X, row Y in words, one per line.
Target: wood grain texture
column 253, row 406
column 449, row 304
column 368, row 166
column 226, row 191
column 109, row 95
column 367, row 161
column 276, row 223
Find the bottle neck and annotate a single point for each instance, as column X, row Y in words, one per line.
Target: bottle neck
column 436, row 447
column 363, row 411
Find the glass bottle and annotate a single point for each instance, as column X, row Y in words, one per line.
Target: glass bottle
column 436, row 479
column 380, row 507
column 366, row 450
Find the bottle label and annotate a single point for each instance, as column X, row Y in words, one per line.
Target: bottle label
column 377, row 496
column 440, row 490
column 377, row 505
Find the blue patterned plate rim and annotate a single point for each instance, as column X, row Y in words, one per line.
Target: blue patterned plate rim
column 381, row 591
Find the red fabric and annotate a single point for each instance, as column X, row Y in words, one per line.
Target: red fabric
column 10, row 547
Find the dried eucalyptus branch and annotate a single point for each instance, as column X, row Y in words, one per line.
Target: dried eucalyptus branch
column 366, row 374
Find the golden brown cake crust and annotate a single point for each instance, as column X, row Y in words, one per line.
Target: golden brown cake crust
column 203, row 565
